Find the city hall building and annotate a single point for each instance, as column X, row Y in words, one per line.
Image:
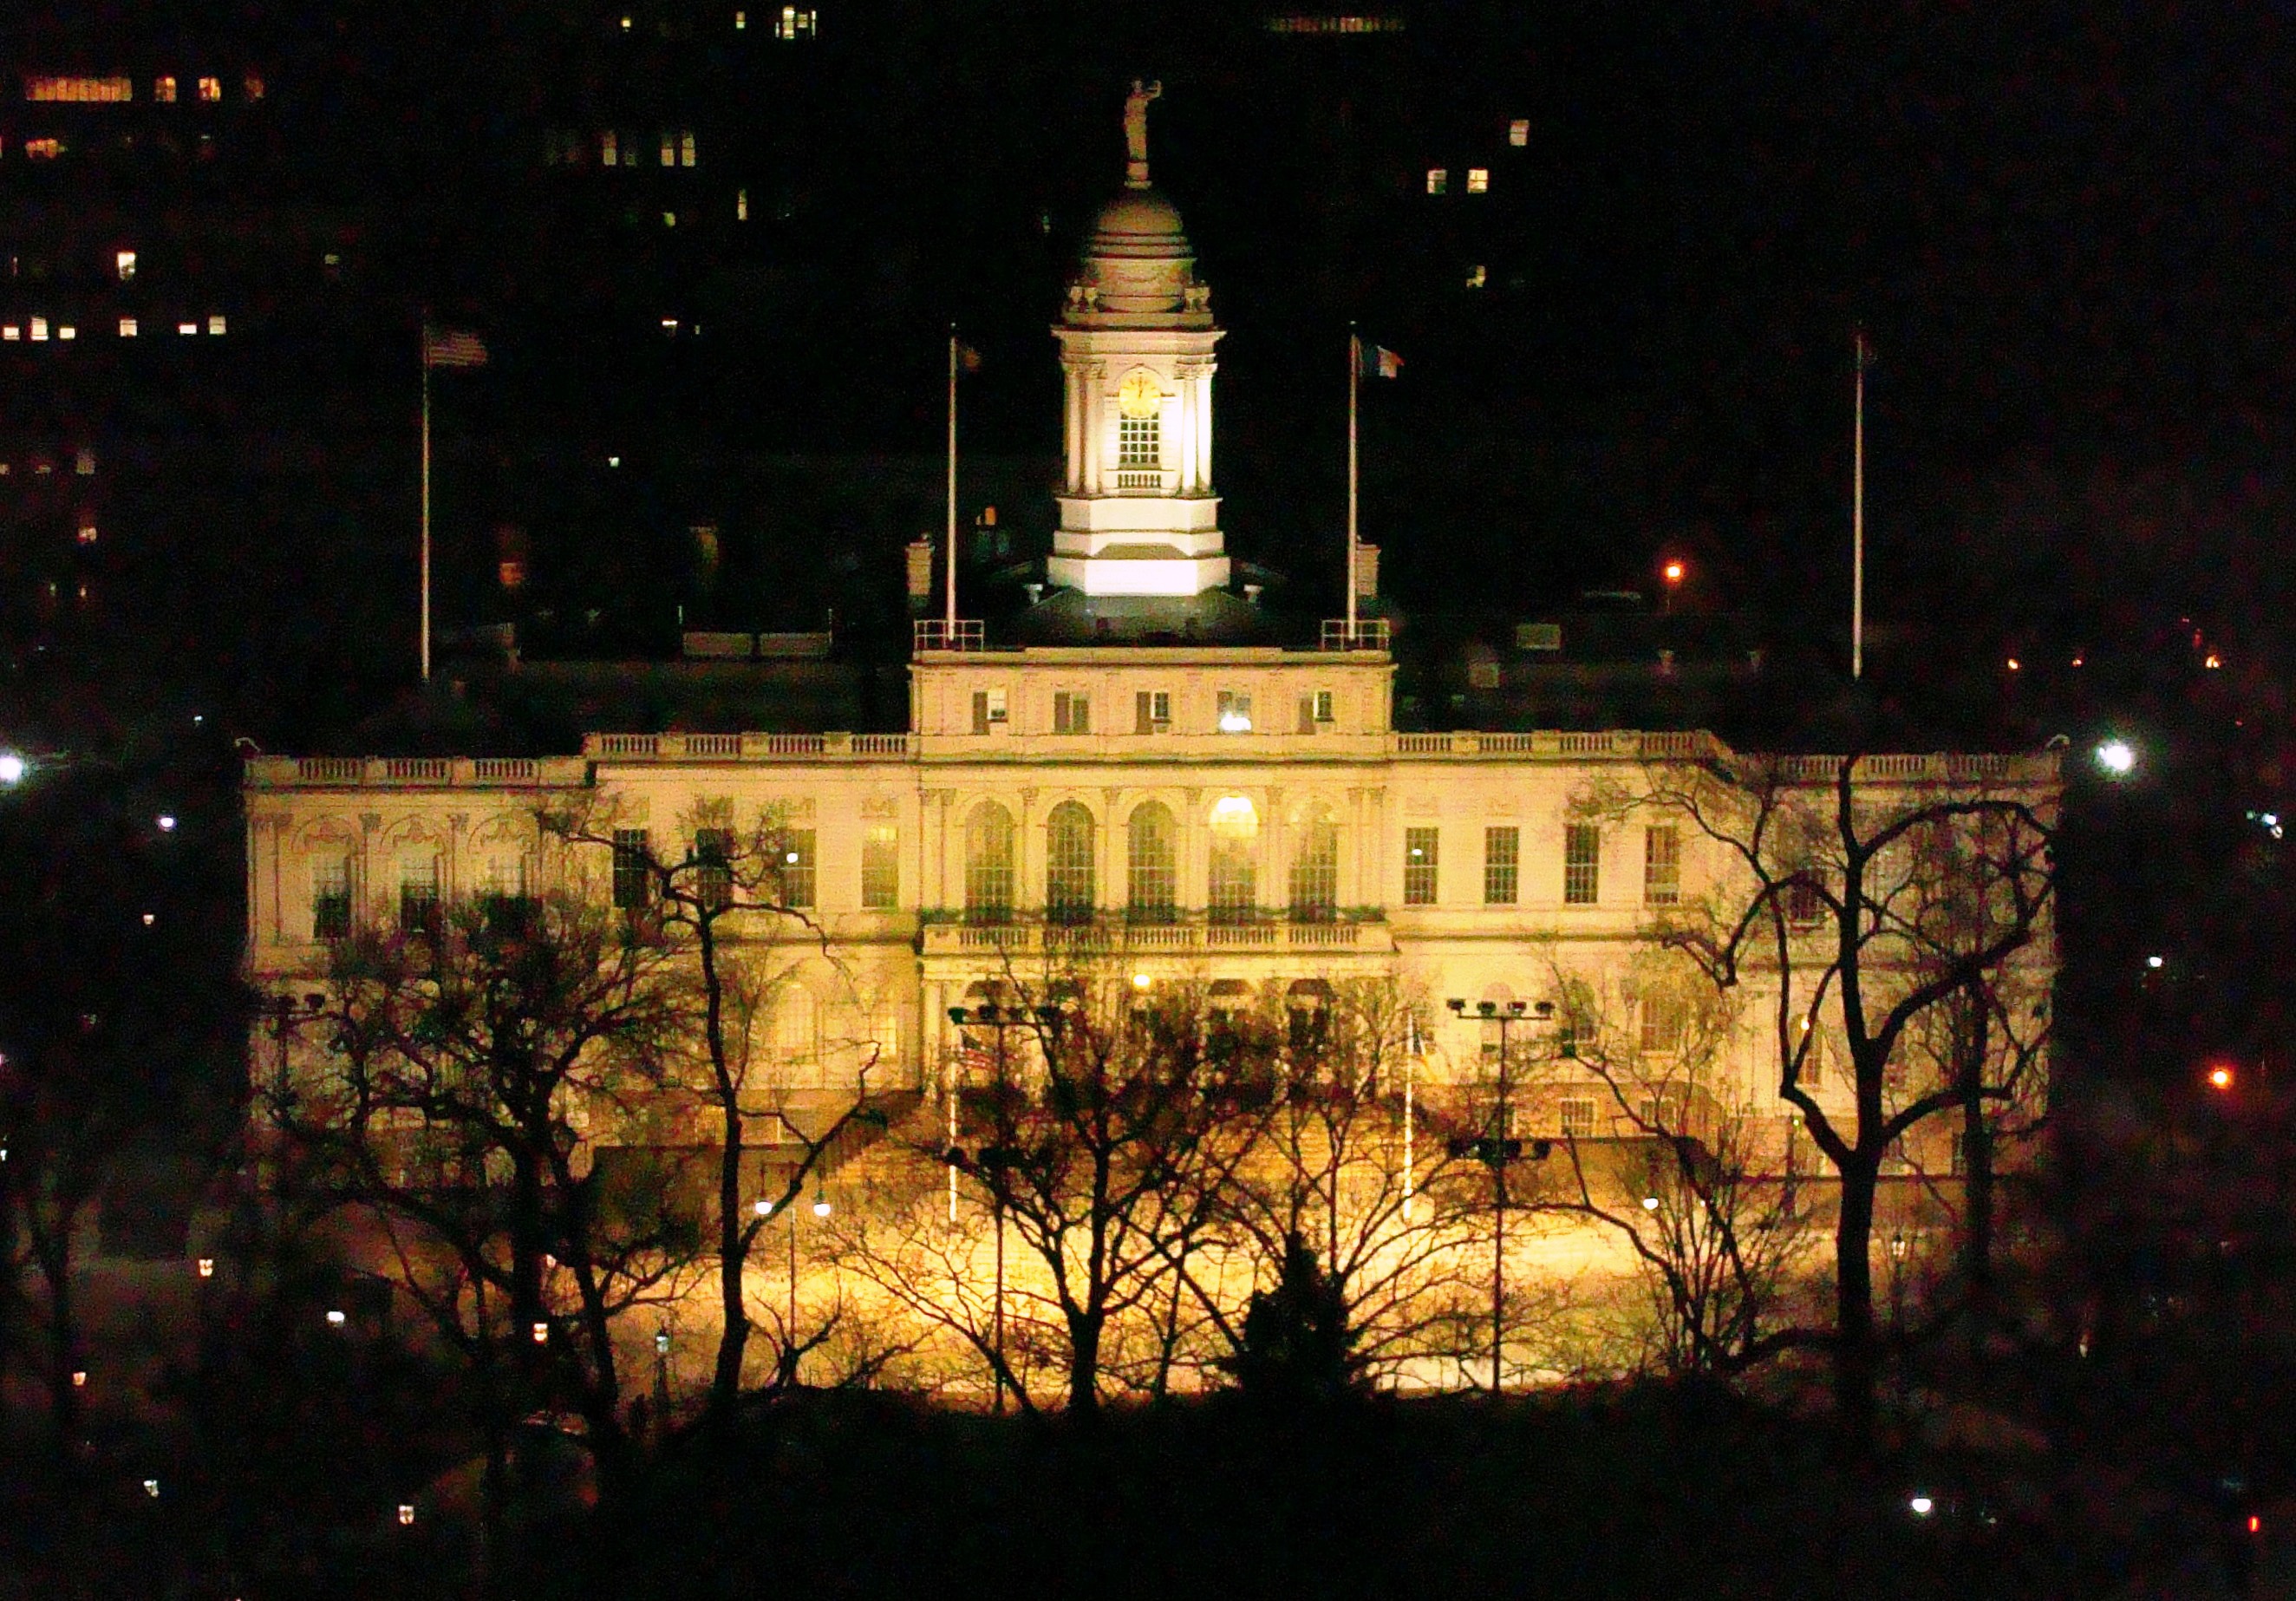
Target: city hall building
column 1130, row 756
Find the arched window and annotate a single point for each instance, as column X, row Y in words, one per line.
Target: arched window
column 988, row 864
column 1068, row 865
column 1315, row 868
column 1151, row 868
column 1232, row 892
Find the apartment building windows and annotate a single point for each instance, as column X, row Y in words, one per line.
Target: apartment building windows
column 210, row 90
column 1419, row 866
column 1071, row 713
column 1502, row 864
column 1151, row 711
column 1479, row 180
column 1662, row 864
column 1582, row 864
column 880, row 868
column 163, row 90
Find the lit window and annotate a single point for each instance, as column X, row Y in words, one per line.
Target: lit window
column 1501, row 861
column 669, row 219
column 668, row 151
column 215, row 324
column 740, row 20
column 1315, row 868
column 687, row 149
column 1070, row 892
column 1235, row 712
column 609, row 150
column 1477, row 276
column 210, row 89
column 880, row 868
column 11, row 331
column 740, row 205
column 626, row 25
column 84, row 463
column 88, row 533
column 794, row 859
column 43, row 149
column 253, row 86
column 1662, row 864
column 123, row 262
column 1519, row 132
column 1232, row 893
column 163, row 90
column 632, row 870
column 80, row 90
column 1577, row 1113
column 1439, row 180
column 1420, row 847
column 796, row 24
column 1071, row 713
column 1151, row 711
column 66, row 330
column 1582, row 864
column 987, row 707
column 39, row 327
column 187, row 328
column 1479, row 180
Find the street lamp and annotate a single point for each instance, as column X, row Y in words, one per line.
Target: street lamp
column 1672, row 573
column 2116, row 758
column 13, row 768
column 1496, row 1149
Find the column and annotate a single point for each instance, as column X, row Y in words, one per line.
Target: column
column 1200, row 436
column 1072, row 423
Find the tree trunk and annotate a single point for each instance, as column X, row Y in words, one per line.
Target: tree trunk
column 1855, row 1359
column 1085, row 1330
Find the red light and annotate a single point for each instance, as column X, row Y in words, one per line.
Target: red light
column 2255, row 1523
column 2220, row 1078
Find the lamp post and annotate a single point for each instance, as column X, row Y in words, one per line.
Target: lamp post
column 992, row 1161
column 1495, row 1150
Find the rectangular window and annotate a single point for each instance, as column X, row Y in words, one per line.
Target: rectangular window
column 1479, row 180
column 418, row 895
column 1665, row 1019
column 80, row 90
column 1805, row 903
column 1419, row 864
column 687, row 149
column 1323, row 705
column 740, row 205
column 713, row 859
column 1139, row 443
column 1662, row 864
column 632, row 870
column 163, row 90
column 127, row 327
column 1152, row 710
column 1577, row 1117
column 880, row 868
column 1501, row 864
column 1582, row 864
column 1234, row 712
column 331, row 898
column 1071, row 713
column 251, row 85
column 210, row 89
column 123, row 262
column 1519, row 132
column 668, row 150
column 216, row 325
column 504, row 895
column 1439, row 180
column 609, row 149
column 987, row 707
column 793, row 867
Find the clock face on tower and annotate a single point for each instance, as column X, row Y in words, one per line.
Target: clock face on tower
column 1140, row 395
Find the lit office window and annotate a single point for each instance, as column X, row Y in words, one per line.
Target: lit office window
column 10, row 331
column 43, row 149
column 1232, row 885
column 163, row 90
column 39, row 328
column 66, row 330
column 187, row 329
column 1439, row 180
column 1519, row 132
column 668, row 150
column 609, row 150
column 740, row 205
column 687, row 149
column 740, row 20
column 215, row 324
column 880, row 868
column 1479, row 180
column 123, row 262
column 210, row 89
column 80, row 91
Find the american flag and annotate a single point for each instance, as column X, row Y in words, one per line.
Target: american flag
column 452, row 347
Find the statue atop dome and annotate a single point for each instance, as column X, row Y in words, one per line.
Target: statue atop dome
column 1136, row 132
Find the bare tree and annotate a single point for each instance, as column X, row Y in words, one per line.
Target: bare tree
column 737, row 897
column 1826, row 900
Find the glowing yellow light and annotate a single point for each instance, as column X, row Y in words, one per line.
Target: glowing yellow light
column 542, row 1333
column 1674, row 573
column 406, row 1513
column 2220, row 1078
column 207, row 1266
column 2015, row 664
column 2213, row 662
column 1141, row 980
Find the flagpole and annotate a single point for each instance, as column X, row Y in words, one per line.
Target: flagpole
column 1858, row 522
column 426, row 503
column 1355, row 380
column 952, row 487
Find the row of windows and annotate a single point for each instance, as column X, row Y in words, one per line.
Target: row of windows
column 1582, row 864
column 118, row 90
column 38, row 330
column 1439, row 180
column 791, row 22
column 672, row 147
column 1152, row 710
column 83, row 465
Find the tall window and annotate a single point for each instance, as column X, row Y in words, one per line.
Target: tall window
column 1662, row 864
column 987, row 707
column 1315, row 869
column 1152, row 710
column 880, row 868
column 1069, row 895
column 418, row 894
column 1665, row 1018
column 1479, row 180
column 1235, row 706
column 633, row 877
column 163, row 90
column 1805, row 903
column 210, row 89
column 713, row 857
column 988, row 864
column 1582, row 864
column 1501, row 864
column 331, row 896
column 503, row 893
column 1071, row 713
column 793, row 867
column 1233, row 888
column 1139, row 443
column 1419, row 864
column 1151, row 864
column 1439, row 180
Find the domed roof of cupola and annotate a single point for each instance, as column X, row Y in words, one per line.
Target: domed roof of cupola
column 1139, row 223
